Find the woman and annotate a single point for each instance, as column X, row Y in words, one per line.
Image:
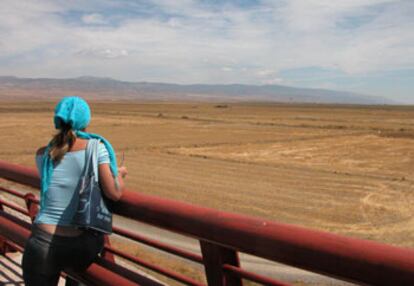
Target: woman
column 55, row 244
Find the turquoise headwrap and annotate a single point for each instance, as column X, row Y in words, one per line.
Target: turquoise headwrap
column 75, row 112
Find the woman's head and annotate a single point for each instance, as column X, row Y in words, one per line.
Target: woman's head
column 73, row 111
column 71, row 114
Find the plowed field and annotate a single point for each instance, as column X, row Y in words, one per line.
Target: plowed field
column 345, row 169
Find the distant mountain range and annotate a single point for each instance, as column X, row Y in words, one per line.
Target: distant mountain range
column 14, row 88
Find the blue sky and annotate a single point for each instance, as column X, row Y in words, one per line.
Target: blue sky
column 364, row 46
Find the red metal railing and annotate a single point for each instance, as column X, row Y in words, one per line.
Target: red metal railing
column 222, row 236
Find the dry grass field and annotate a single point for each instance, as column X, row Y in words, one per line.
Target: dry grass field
column 344, row 169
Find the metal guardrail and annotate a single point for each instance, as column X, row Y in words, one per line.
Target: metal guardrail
column 222, row 236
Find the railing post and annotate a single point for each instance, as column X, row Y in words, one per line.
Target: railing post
column 3, row 245
column 31, row 206
column 106, row 254
column 214, row 257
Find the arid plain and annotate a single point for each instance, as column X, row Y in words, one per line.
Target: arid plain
column 344, row 169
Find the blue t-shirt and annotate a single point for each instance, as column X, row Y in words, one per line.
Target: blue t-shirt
column 61, row 198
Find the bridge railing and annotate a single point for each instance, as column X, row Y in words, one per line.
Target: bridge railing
column 222, row 236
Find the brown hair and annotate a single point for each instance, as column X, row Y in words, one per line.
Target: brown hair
column 62, row 142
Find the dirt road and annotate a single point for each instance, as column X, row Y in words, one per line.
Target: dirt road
column 248, row 262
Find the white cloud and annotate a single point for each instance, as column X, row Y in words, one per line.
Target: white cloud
column 184, row 41
column 276, row 80
column 227, row 69
column 104, row 53
column 93, row 18
column 266, row 73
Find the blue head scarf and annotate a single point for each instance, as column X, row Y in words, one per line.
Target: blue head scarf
column 73, row 111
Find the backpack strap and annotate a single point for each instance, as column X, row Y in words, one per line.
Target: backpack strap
column 89, row 157
column 94, row 151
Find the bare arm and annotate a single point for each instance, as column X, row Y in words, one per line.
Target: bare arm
column 107, row 182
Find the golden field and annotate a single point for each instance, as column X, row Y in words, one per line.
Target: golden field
column 344, row 169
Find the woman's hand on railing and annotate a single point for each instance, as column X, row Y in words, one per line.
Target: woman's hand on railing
column 122, row 171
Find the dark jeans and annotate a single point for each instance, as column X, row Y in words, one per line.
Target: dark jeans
column 45, row 255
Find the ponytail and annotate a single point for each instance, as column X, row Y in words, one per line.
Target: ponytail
column 62, row 142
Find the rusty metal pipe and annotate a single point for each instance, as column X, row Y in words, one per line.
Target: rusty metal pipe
column 14, row 207
column 233, row 270
column 159, row 245
column 170, row 274
column 20, row 174
column 12, row 192
column 18, row 232
column 329, row 254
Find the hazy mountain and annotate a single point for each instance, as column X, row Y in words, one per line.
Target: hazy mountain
column 110, row 89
